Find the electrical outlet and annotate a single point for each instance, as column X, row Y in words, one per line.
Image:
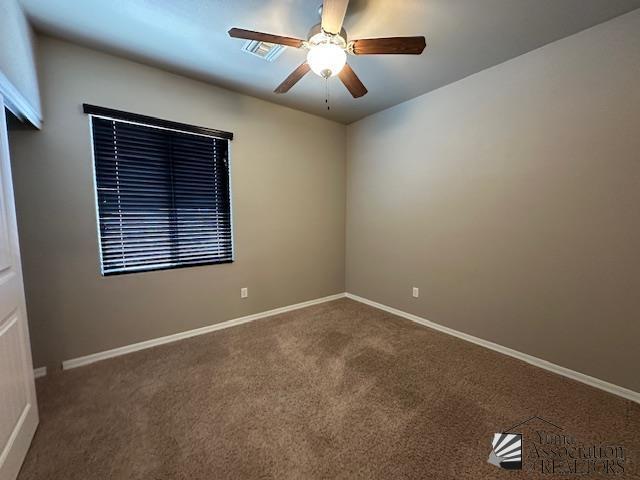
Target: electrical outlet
column 244, row 292
column 416, row 292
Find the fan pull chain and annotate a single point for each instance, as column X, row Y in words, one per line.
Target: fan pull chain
column 326, row 94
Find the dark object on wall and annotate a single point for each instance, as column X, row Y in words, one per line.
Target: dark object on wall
column 162, row 191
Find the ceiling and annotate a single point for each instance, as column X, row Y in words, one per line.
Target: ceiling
column 189, row 37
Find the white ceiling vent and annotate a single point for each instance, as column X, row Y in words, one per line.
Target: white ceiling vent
column 264, row 50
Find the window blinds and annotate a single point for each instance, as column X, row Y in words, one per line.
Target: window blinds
column 163, row 197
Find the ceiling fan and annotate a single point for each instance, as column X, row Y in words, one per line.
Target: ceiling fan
column 328, row 47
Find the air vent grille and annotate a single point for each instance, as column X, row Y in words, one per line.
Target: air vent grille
column 264, row 50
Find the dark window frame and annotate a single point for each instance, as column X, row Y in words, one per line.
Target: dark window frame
column 223, row 245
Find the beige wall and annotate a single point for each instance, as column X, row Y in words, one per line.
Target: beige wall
column 17, row 60
column 288, row 180
column 512, row 200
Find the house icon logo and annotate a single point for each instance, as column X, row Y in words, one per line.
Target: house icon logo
column 506, row 451
column 551, row 450
column 506, row 447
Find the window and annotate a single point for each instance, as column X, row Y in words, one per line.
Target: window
column 162, row 192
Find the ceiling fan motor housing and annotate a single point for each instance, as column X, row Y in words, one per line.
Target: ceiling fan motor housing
column 318, row 29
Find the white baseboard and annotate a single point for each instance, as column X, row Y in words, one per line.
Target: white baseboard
column 40, row 372
column 538, row 362
column 96, row 357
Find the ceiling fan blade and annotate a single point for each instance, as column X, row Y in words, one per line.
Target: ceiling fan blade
column 333, row 12
column 352, row 82
column 294, row 78
column 265, row 37
column 392, row 45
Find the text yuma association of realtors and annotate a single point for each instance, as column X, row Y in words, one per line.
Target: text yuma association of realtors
column 556, row 453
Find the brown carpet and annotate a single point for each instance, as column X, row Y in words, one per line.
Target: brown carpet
column 338, row 390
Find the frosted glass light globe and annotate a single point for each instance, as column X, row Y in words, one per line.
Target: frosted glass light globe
column 326, row 59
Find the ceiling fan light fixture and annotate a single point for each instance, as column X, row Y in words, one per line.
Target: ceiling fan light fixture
column 328, row 48
column 326, row 55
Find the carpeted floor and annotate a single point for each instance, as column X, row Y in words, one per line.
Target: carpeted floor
column 338, row 390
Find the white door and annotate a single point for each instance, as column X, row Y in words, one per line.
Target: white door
column 18, row 408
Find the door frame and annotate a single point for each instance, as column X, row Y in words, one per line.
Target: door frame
column 18, row 104
column 19, row 377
